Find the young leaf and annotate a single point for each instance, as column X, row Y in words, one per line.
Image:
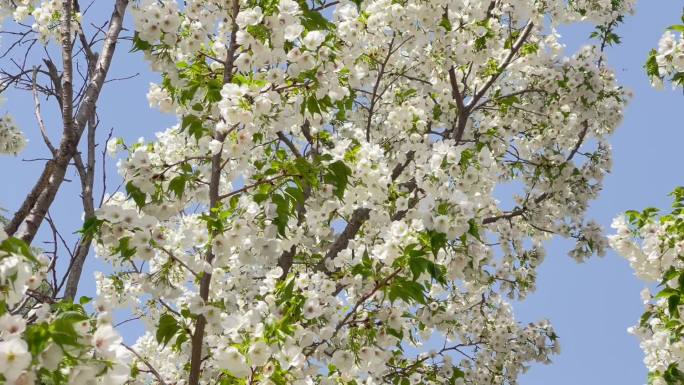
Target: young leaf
column 168, row 327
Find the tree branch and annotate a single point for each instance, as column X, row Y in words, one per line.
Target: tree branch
column 523, row 210
column 507, row 61
column 34, row 208
column 381, row 72
column 149, row 366
column 197, row 339
column 39, row 116
column 87, row 175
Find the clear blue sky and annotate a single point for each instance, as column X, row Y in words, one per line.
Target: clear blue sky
column 591, row 304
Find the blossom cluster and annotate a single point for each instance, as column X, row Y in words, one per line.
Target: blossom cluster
column 667, row 61
column 42, row 341
column 654, row 246
column 12, row 140
column 45, row 15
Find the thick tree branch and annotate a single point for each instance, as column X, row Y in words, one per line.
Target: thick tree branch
column 197, row 339
column 358, row 218
column 67, row 94
column 87, row 175
column 463, row 111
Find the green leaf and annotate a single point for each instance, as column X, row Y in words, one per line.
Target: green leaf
column 673, row 305
column 313, row 20
column 458, row 373
column 194, row 126
column 140, row 44
column 670, row 274
column 213, row 90
column 282, row 212
column 177, row 185
column 644, row 318
column 667, row 293
column 365, row 268
column 90, row 227
column 506, row 102
column 259, row 31
column 16, row 246
column 124, row 249
column 134, row 192
column 37, row 337
column 408, row 291
column 168, row 327
column 474, row 230
column 178, row 343
column 529, row 48
column 673, row 376
column 404, row 95
column 295, row 193
column 437, row 272
column 678, row 78
column 651, row 66
column 338, row 175
column 312, row 105
column 72, row 316
column 445, row 23
column 285, row 291
column 62, row 329
column 258, row 198
column 417, row 265
column 437, row 241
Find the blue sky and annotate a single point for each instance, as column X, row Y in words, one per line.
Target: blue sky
column 591, row 304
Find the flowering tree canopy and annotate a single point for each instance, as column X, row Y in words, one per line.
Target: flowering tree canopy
column 667, row 62
column 325, row 209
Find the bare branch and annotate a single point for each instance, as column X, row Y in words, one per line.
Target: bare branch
column 39, row 117
column 144, row 361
